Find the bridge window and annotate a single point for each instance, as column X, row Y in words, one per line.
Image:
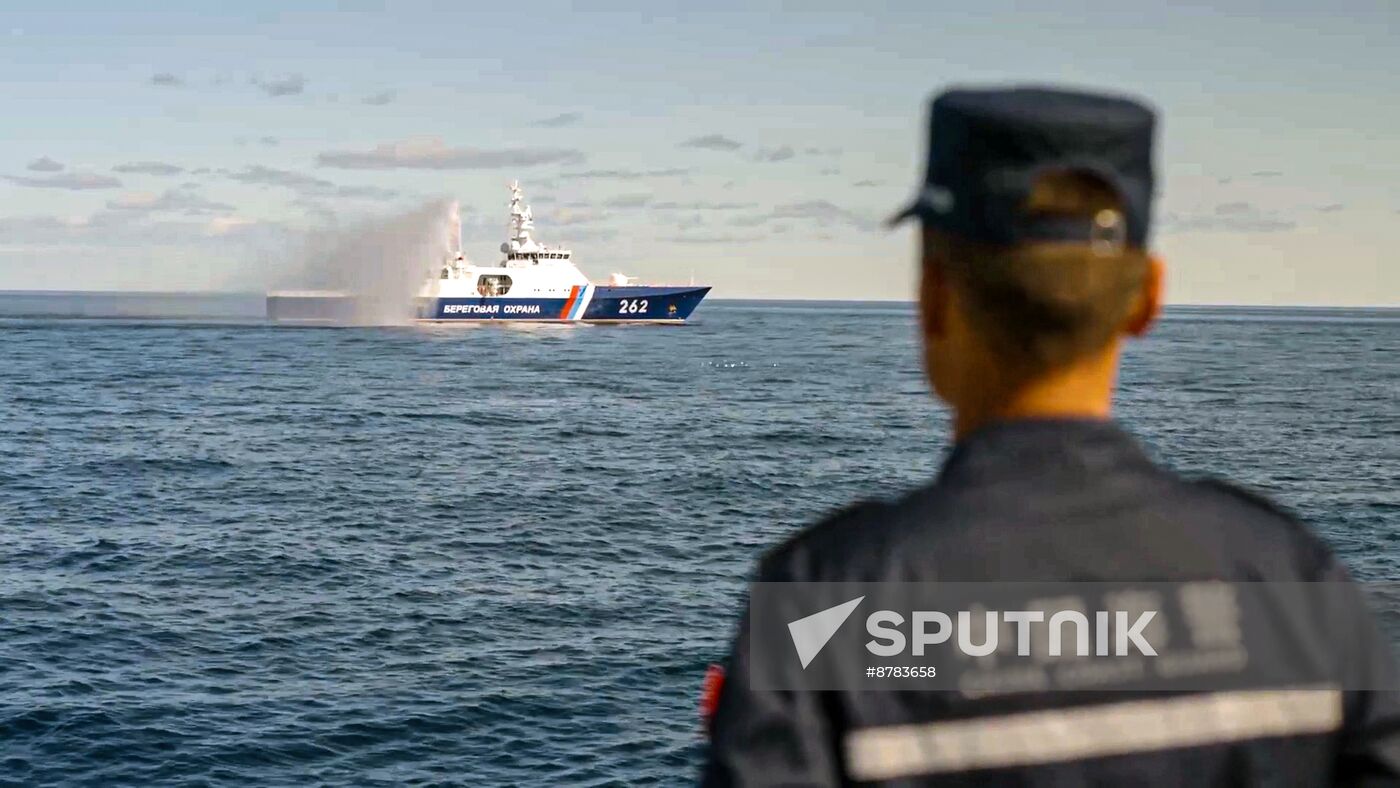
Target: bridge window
column 493, row 285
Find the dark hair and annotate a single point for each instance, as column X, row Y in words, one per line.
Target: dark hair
column 1042, row 305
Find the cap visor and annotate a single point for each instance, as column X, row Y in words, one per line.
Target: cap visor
column 907, row 212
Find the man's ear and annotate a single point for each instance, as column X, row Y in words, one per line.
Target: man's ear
column 1150, row 305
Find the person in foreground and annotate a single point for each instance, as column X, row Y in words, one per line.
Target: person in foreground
column 1035, row 270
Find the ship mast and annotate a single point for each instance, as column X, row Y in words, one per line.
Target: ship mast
column 522, row 222
column 520, row 242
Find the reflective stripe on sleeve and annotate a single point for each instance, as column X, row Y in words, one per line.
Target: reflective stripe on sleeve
column 1071, row 734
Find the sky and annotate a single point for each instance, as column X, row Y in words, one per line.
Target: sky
column 753, row 146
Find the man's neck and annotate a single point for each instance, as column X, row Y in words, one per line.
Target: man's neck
column 1081, row 391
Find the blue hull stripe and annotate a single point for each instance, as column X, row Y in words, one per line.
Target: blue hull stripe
column 593, row 303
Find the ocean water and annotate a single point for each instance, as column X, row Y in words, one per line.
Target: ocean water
column 240, row 554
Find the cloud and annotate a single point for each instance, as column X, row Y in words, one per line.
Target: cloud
column 628, row 201
column 432, row 154
column 223, row 225
column 267, row 176
column 867, row 184
column 27, row 226
column 751, row 221
column 133, row 201
column 316, row 209
column 148, row 168
column 782, row 153
column 1236, row 217
column 558, row 121
column 702, row 206
column 824, row 213
column 167, row 79
column 566, row 217
column 1234, row 209
column 290, row 85
column 44, row 164
column 713, row 239
column 588, row 234
column 624, row 175
column 712, row 142
column 181, row 200
column 381, row 98
column 308, row 185
column 74, row 181
column 269, row 141
column 365, row 192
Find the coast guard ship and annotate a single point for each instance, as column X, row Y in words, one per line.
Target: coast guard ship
column 532, row 283
column 535, row 282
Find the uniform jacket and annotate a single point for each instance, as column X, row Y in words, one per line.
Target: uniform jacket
column 1061, row 501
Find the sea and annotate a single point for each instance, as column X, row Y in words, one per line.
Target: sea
column 235, row 553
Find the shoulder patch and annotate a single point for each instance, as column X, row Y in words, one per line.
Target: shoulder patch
column 710, row 689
